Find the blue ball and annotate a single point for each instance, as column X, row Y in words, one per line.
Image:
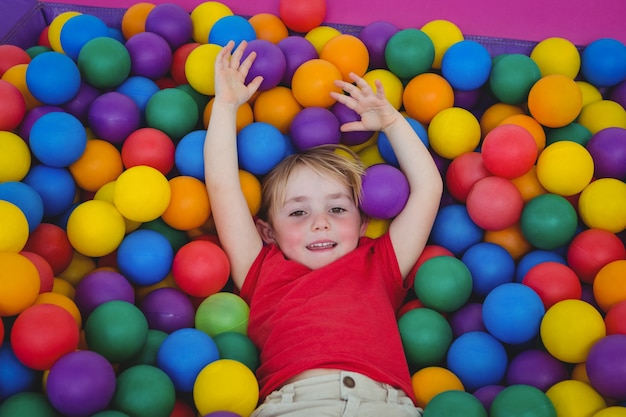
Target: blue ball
column 260, row 147
column 188, row 155
column 231, row 28
column 512, row 313
column 384, row 146
column 58, row 139
column 55, row 186
column 183, row 354
column 466, row 65
column 145, row 257
column 603, row 62
column 26, row 199
column 490, row 265
column 478, row 359
column 53, row 78
column 15, row 376
column 139, row 89
column 79, row 30
column 454, row 229
column 536, row 257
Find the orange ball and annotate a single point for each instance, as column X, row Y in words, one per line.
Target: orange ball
column 495, row 114
column 100, row 164
column 251, row 187
column 348, row 53
column 189, row 206
column 555, row 100
column 244, row 116
column 530, row 124
column 16, row 75
column 276, row 106
column 529, row 185
column 313, row 82
column 433, row 380
column 609, row 286
column 268, row 27
column 426, row 95
column 134, row 18
column 512, row 239
column 20, row 283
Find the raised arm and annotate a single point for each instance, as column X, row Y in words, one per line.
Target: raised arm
column 410, row 229
column 235, row 226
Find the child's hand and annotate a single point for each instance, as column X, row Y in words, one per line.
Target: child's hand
column 231, row 73
column 375, row 110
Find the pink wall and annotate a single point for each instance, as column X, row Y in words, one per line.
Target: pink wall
column 580, row 21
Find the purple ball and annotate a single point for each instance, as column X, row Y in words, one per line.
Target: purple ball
column 270, row 63
column 79, row 105
column 466, row 99
column 172, row 22
column 314, row 126
column 113, row 116
column 99, row 287
column 608, row 150
column 375, row 37
column 606, row 366
column 168, row 309
column 32, row 116
column 150, row 55
column 81, row 383
column 487, row 394
column 536, row 368
column 297, row 50
column 618, row 94
column 385, row 191
column 345, row 114
column 468, row 318
column 222, row 414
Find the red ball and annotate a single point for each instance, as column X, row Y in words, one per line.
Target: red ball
column 179, row 58
column 200, row 268
column 1, row 331
column 12, row 106
column 151, row 147
column 494, row 203
column 615, row 319
column 50, row 242
column 430, row 251
column 463, row 172
column 10, row 56
column 553, row 282
column 302, row 15
column 43, row 333
column 46, row 276
column 591, row 249
column 509, row 151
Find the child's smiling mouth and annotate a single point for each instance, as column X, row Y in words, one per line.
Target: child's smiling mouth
column 321, row 245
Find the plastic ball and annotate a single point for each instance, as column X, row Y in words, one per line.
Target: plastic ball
column 605, row 366
column 260, row 147
column 454, row 229
column 189, row 204
column 13, row 106
column 313, row 81
column 20, row 283
column 15, row 227
column 99, row 164
column 58, row 139
column 95, row 228
column 528, row 185
column 113, row 116
column 268, row 27
column 314, row 126
column 575, row 398
column 17, row 77
column 170, row 21
column 512, row 77
column 565, row 168
column 426, row 95
column 603, row 62
column 16, row 377
column 142, row 193
column 494, row 203
column 144, row 391
column 602, row 203
column 608, row 285
column 555, row 100
column 27, row 404
column 167, row 310
column 51, row 243
column 443, row 283
column 46, row 276
column 222, row 312
column 78, row 30
column 553, row 282
column 468, row 318
column 276, row 106
column 431, row 381
column 231, row 28
column 592, row 249
column 27, row 200
column 199, row 68
column 179, row 58
column 612, row 411
column 488, row 275
column 15, row 160
column 296, row 50
column 204, row 16
column 134, row 18
column 80, row 383
column 183, row 354
column 426, row 336
column 344, row 114
column 101, row 286
column 392, row 85
column 150, row 55
column 302, row 15
column 251, row 187
column 226, row 385
column 348, row 53
column 509, row 151
column 78, row 106
column 188, row 154
column 602, row 114
column 444, row 34
column 478, row 359
column 409, row 52
column 151, row 147
column 536, row 368
column 379, row 200
column 375, row 36
column 495, row 114
column 614, row 319
column 531, row 125
column 145, row 257
column 557, row 55
column 463, row 172
column 384, row 146
column 12, row 55
column 455, row 402
column 104, row 62
column 239, row 347
column 172, row 111
column 549, row 221
column 453, row 131
column 270, row 63
column 487, row 394
column 608, row 150
column 466, row 65
column 200, row 268
column 54, row 29
column 53, row 78
column 522, row 399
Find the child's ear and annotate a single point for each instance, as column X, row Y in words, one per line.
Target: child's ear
column 265, row 231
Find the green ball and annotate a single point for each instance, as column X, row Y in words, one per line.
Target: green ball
column 238, row 347
column 521, row 401
column 104, row 62
column 117, row 330
column 512, row 77
column 148, row 354
column 455, row 403
column 574, row 132
column 549, row 221
column 409, row 52
column 443, row 283
column 110, row 413
column 144, row 391
column 177, row 238
column 31, row 404
column 172, row 111
column 222, row 312
column 426, row 336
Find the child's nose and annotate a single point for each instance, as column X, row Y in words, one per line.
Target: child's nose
column 320, row 222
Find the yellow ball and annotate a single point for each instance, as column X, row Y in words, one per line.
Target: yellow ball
column 602, row 114
column 107, row 193
column 391, row 84
column 433, row 380
column 61, row 286
column 142, row 193
column 13, row 226
column 371, row 156
column 19, row 280
column 575, row 399
column 590, row 92
column 555, row 100
column 15, row 157
column 443, row 34
column 54, row 29
column 570, row 328
column 565, row 168
column 200, row 68
column 79, row 267
column 95, row 228
column 614, row 411
column 320, row 35
column 556, row 56
column 602, row 205
column 276, row 106
column 453, row 131
column 226, row 385
column 204, row 16
column 377, row 227
column 313, row 82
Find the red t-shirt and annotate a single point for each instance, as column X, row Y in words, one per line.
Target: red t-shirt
column 341, row 316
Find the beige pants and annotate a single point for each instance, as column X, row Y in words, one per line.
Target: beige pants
column 346, row 394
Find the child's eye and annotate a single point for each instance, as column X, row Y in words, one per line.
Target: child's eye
column 337, row 210
column 297, row 213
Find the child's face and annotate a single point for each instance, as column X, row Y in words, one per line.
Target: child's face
column 319, row 221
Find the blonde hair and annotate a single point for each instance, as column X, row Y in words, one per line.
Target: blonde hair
column 330, row 161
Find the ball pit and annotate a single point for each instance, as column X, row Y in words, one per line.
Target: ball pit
column 151, row 74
